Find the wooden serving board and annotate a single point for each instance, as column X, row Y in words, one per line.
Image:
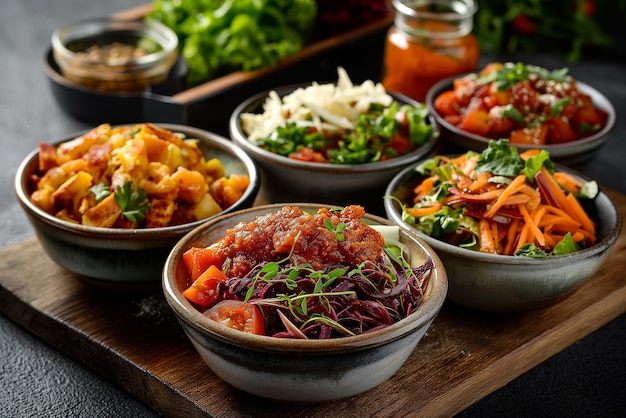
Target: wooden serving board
column 134, row 341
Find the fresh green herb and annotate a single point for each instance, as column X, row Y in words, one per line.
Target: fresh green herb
column 512, row 73
column 500, row 158
column 100, row 191
column 217, row 37
column 133, row 203
column 563, row 247
column 510, row 111
column 557, row 108
column 369, row 142
column 341, row 226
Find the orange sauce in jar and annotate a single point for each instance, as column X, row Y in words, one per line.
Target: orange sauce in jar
column 428, row 42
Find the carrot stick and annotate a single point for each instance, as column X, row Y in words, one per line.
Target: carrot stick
column 579, row 214
column 480, row 181
column 487, row 244
column 568, row 181
column 532, row 225
column 523, row 237
column 512, row 232
column 508, row 191
column 425, row 211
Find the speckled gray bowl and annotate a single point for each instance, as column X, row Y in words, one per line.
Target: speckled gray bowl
column 575, row 153
column 124, row 259
column 286, row 179
column 292, row 370
column 500, row 283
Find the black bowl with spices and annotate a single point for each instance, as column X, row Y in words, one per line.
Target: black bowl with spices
column 110, row 55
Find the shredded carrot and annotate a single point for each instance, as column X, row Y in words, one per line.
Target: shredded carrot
column 511, row 236
column 579, row 214
column 531, row 222
column 568, row 181
column 487, row 244
column 508, row 191
column 530, row 153
column 425, row 211
column 480, row 181
column 510, row 216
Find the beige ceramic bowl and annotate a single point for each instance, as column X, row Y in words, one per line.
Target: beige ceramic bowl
column 575, row 153
column 502, row 283
column 286, row 179
column 299, row 370
column 120, row 258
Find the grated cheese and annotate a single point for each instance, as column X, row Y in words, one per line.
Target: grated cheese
column 326, row 107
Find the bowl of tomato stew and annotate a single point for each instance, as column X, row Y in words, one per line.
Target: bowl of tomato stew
column 530, row 106
column 515, row 231
column 338, row 143
column 304, row 302
column 109, row 203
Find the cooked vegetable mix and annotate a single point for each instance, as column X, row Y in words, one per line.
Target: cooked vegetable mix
column 338, row 124
column 502, row 202
column 132, row 176
column 291, row 274
column 524, row 103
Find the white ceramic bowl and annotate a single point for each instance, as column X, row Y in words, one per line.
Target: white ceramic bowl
column 295, row 370
column 286, row 179
column 502, row 283
column 124, row 258
column 575, row 153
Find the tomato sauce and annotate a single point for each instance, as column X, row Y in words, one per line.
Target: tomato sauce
column 424, row 47
column 292, row 232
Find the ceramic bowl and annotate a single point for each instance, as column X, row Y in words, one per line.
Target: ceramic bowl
column 124, row 258
column 295, row 370
column 286, row 179
column 575, row 153
column 500, row 283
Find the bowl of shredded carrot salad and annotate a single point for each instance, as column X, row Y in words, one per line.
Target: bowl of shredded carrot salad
column 515, row 230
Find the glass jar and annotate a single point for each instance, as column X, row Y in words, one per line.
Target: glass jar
column 429, row 41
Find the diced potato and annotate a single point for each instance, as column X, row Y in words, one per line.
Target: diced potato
column 206, row 208
column 192, row 187
column 160, row 213
column 65, row 194
column 157, row 149
column 104, row 214
column 43, row 199
column 215, row 169
column 174, row 156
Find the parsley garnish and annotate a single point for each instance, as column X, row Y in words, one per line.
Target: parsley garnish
column 100, row 191
column 133, row 203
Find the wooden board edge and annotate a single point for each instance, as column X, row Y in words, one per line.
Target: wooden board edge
column 527, row 356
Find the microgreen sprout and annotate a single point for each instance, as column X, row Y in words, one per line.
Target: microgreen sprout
column 337, row 230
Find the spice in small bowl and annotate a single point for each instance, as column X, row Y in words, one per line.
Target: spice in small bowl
column 115, row 55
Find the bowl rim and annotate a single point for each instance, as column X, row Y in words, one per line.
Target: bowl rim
column 256, row 101
column 145, row 233
column 583, row 144
column 163, row 35
column 194, row 319
column 392, row 211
